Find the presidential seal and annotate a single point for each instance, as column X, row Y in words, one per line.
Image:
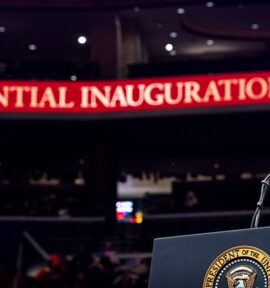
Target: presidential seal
column 239, row 267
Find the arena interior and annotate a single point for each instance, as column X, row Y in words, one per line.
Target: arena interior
column 83, row 193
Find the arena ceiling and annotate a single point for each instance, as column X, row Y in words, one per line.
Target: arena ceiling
column 195, row 28
column 114, row 3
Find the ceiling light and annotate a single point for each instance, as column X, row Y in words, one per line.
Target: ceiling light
column 169, row 47
column 173, row 34
column 159, row 25
column 210, row 42
column 136, row 9
column 73, row 77
column 82, row 40
column 216, row 165
column 173, row 53
column 32, row 47
column 210, row 4
column 255, row 26
column 2, row 29
column 180, row 10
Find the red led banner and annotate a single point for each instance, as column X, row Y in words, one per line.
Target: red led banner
column 160, row 94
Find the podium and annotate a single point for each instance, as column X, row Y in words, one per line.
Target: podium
column 231, row 259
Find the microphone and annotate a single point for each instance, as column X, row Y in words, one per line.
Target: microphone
column 257, row 214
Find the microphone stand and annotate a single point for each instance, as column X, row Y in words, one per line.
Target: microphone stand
column 257, row 214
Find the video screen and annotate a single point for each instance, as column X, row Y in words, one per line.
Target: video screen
column 127, row 212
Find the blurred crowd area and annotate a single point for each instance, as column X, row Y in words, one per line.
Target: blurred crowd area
column 82, row 205
column 52, row 204
column 78, row 204
column 96, row 270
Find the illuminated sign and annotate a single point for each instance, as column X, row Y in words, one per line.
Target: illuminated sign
column 144, row 95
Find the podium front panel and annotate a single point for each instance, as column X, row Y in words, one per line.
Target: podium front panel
column 231, row 259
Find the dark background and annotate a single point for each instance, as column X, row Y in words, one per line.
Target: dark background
column 58, row 177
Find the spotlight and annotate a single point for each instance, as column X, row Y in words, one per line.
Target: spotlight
column 255, row 26
column 73, row 77
column 173, row 34
column 210, row 4
column 32, row 47
column 180, row 11
column 168, row 47
column 210, row 42
column 82, row 40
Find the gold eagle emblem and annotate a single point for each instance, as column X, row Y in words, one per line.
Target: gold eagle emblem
column 241, row 277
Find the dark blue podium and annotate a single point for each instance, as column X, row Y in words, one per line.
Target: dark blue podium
column 231, row 259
